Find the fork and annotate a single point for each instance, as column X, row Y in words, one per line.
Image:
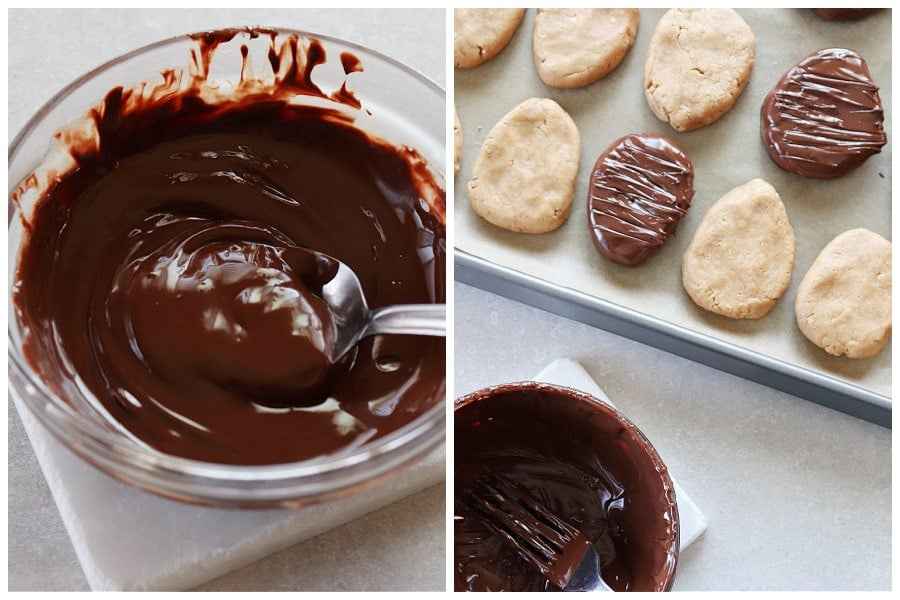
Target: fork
column 561, row 553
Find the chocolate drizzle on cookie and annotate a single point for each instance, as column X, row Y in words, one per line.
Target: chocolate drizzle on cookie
column 640, row 188
column 824, row 118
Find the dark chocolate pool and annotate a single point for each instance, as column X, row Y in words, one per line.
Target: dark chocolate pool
column 581, row 459
column 160, row 274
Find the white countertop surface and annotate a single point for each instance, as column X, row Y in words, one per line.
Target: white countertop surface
column 798, row 496
column 401, row 546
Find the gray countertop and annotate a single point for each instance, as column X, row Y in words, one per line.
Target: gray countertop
column 401, row 546
column 798, row 496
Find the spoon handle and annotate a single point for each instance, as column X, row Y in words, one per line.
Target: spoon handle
column 416, row 319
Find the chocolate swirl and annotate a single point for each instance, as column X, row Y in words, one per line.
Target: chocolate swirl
column 640, row 188
column 824, row 118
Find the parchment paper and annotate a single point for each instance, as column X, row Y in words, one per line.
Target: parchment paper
column 725, row 154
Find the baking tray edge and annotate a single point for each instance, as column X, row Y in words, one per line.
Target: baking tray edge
column 724, row 356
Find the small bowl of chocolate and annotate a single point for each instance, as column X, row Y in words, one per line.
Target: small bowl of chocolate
column 583, row 461
column 161, row 324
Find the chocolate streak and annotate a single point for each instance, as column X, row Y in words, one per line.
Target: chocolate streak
column 570, row 454
column 824, row 117
column 162, row 275
column 640, row 188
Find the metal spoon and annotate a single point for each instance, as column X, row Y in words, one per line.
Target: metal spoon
column 354, row 319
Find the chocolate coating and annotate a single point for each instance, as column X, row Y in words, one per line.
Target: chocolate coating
column 844, row 14
column 824, row 117
column 591, row 468
column 640, row 188
column 163, row 273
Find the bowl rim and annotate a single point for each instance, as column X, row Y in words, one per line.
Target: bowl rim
column 288, row 484
column 187, row 37
column 570, row 393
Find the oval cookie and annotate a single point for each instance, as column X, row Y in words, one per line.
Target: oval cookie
column 739, row 261
column 824, row 118
column 479, row 34
column 843, row 304
column 574, row 47
column 524, row 176
column 697, row 64
column 640, row 188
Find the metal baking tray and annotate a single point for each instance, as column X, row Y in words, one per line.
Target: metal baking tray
column 562, row 273
column 661, row 334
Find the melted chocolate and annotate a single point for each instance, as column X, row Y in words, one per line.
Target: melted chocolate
column 551, row 545
column 640, row 188
column 824, row 117
column 567, row 451
column 163, row 274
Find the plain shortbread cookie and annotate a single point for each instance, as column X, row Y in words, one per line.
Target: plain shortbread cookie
column 740, row 260
column 524, row 176
column 697, row 64
column 574, row 47
column 479, row 34
column 843, row 304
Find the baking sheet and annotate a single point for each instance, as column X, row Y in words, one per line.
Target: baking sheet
column 562, row 271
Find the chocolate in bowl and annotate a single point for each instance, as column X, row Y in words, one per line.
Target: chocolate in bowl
column 584, row 461
column 162, row 320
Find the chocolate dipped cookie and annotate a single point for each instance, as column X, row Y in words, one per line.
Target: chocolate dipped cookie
column 640, row 188
column 824, row 118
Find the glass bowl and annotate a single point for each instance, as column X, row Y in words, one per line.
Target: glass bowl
column 384, row 88
column 584, row 461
